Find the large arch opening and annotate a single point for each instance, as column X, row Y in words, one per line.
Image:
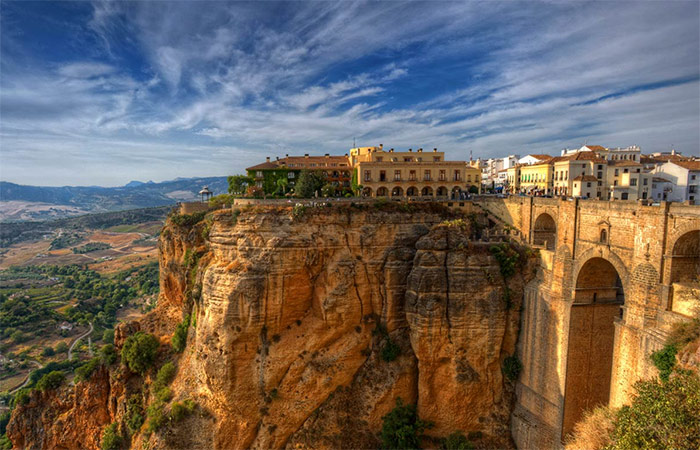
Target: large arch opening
column 367, row 192
column 441, row 191
column 412, row 191
column 598, row 297
column 685, row 272
column 545, row 231
column 456, row 193
column 397, row 192
column 382, row 192
column 427, row 191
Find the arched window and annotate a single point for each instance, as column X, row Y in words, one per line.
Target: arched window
column 603, row 236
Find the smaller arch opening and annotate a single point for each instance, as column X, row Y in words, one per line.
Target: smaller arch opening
column 603, row 236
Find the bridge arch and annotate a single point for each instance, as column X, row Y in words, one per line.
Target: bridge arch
column 412, row 191
column 545, row 231
column 397, row 191
column 597, row 299
column 685, row 257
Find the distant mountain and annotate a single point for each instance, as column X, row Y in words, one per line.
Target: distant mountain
column 19, row 202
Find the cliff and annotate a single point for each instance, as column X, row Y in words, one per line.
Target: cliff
column 307, row 325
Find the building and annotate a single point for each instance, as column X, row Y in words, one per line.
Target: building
column 337, row 168
column 627, row 181
column 685, row 177
column 661, row 188
column 491, row 168
column 536, row 179
column 577, row 164
column 397, row 174
column 533, row 159
column 586, row 186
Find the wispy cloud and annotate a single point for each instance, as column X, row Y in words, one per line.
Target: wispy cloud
column 197, row 88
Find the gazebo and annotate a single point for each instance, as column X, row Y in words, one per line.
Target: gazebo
column 205, row 193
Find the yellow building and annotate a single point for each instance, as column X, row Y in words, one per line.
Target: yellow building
column 582, row 164
column 513, row 178
column 398, row 174
column 536, row 179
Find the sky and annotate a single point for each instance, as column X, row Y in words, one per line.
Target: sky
column 101, row 93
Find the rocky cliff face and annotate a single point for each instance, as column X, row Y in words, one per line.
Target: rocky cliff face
column 308, row 325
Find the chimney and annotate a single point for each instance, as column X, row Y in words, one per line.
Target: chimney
column 381, row 146
column 327, row 155
column 286, row 155
column 267, row 159
column 420, row 150
column 391, row 151
column 306, row 155
column 410, row 149
column 278, row 158
column 435, row 149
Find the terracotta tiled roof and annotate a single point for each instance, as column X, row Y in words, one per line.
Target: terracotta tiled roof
column 305, row 162
column 585, row 178
column 596, row 148
column 690, row 165
column 587, row 156
column 263, row 166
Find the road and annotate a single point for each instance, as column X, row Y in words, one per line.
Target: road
column 26, row 380
column 70, row 350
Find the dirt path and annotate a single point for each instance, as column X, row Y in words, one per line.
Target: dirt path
column 70, row 350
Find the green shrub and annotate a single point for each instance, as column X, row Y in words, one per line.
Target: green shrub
column 165, row 375
column 61, row 347
column 48, row 351
column 51, row 380
column 457, row 441
column 507, row 258
column 22, row 396
column 662, row 415
column 180, row 410
column 164, row 394
column 111, row 440
column 108, row 354
column 179, row 339
column 134, row 413
column 139, row 351
column 5, row 443
column 156, row 417
column 298, row 211
column 187, row 220
column 665, row 360
column 86, row 370
column 512, row 367
column 401, row 428
column 108, row 336
column 390, row 351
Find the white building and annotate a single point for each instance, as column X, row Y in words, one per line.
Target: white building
column 661, row 188
column 685, row 177
column 533, row 159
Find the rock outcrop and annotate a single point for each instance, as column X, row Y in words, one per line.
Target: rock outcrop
column 308, row 325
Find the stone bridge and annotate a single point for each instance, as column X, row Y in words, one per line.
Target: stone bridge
column 613, row 278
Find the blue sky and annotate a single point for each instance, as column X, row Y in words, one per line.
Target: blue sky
column 101, row 93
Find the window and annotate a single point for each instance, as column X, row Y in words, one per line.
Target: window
column 637, row 171
column 645, row 181
column 600, row 167
column 458, row 175
column 615, row 183
column 624, row 196
column 617, row 172
column 412, row 175
column 380, row 158
column 443, row 177
column 290, row 175
column 368, row 175
column 259, row 174
column 603, row 236
column 469, row 178
column 588, row 184
column 692, row 177
column 583, row 166
column 626, row 170
column 633, row 182
column 397, row 175
column 382, row 175
column 419, row 159
column 393, row 160
column 436, row 158
column 567, row 175
column 600, row 183
column 600, row 174
column 692, row 189
column 426, row 175
column 407, row 159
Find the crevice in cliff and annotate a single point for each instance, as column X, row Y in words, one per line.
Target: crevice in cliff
column 447, row 286
column 354, row 280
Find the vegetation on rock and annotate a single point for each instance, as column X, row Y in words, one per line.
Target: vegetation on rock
column 111, row 439
column 139, row 351
column 402, row 428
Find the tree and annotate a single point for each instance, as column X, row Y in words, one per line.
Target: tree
column 328, row 190
column 61, row 347
column 310, row 182
column 402, row 428
column 111, row 440
column 51, row 380
column 108, row 336
column 139, row 351
column 237, row 184
column 282, row 184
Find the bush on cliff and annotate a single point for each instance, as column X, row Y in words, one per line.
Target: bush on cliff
column 139, row 351
column 512, row 367
column 179, row 339
column 665, row 360
column 111, row 440
column 401, row 428
column 187, row 220
column 390, row 350
column 86, row 370
column 456, row 441
column 51, row 380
